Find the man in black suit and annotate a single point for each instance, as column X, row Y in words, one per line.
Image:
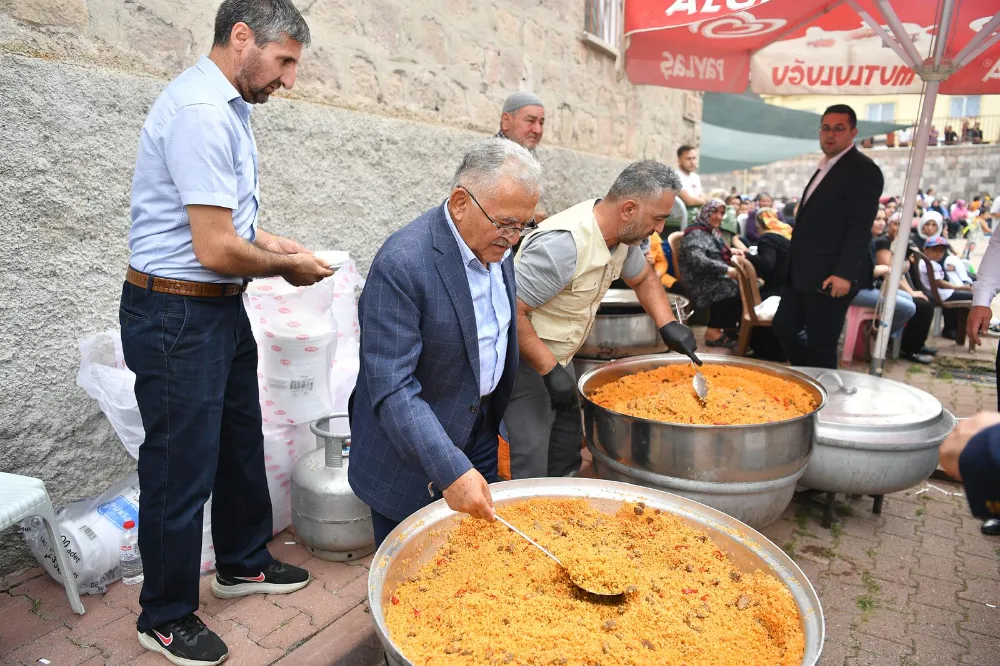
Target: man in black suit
column 829, row 255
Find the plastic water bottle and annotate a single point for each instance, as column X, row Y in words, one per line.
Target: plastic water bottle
column 131, row 560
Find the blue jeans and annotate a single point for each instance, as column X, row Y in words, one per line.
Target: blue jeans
column 195, row 361
column 905, row 309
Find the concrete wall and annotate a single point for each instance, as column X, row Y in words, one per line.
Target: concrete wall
column 957, row 172
column 389, row 97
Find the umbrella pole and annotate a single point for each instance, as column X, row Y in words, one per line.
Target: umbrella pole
column 913, row 174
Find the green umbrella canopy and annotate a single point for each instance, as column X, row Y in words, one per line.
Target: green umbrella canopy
column 741, row 131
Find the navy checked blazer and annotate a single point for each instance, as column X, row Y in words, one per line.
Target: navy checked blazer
column 417, row 396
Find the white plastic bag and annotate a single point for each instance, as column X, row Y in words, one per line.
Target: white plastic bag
column 767, row 308
column 91, row 531
column 296, row 336
column 344, row 370
column 105, row 378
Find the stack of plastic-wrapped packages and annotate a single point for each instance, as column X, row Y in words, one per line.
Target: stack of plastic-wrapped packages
column 308, row 341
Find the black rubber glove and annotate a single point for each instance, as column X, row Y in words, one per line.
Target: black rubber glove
column 679, row 338
column 562, row 389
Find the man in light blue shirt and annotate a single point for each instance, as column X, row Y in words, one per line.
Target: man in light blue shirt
column 185, row 333
column 489, row 299
column 200, row 109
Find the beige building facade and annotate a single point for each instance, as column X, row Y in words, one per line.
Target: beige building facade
column 389, row 96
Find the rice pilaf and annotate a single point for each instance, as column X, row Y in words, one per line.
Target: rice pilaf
column 488, row 597
column 737, row 396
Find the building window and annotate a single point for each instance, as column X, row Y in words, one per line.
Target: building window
column 964, row 106
column 603, row 25
column 885, row 112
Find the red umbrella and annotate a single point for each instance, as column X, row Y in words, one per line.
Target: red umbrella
column 795, row 47
column 832, row 47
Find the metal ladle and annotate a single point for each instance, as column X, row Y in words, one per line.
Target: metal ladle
column 600, row 593
column 698, row 381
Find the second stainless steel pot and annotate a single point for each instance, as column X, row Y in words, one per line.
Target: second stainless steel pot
column 748, row 471
column 622, row 328
column 723, row 453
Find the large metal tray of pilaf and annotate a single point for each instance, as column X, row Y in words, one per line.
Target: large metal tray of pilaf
column 700, row 566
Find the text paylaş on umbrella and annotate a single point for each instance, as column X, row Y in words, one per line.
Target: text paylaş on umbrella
column 692, row 67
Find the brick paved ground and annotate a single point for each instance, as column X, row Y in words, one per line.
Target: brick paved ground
column 907, row 588
column 918, row 585
column 325, row 623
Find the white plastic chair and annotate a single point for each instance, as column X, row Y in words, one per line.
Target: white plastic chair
column 24, row 496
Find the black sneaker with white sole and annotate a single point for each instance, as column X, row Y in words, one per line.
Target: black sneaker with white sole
column 185, row 642
column 277, row 578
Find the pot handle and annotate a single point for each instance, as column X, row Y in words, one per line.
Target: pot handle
column 843, row 388
column 334, row 442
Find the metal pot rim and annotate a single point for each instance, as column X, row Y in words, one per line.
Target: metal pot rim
column 709, row 359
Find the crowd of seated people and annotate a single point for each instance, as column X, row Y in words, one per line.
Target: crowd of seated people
column 968, row 132
column 697, row 262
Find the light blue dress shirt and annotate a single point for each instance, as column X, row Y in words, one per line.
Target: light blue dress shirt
column 489, row 298
column 196, row 148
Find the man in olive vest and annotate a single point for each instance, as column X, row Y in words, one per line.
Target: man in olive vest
column 563, row 269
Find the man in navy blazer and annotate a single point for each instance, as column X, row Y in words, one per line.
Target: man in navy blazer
column 829, row 259
column 439, row 344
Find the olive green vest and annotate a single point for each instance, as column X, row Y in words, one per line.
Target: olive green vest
column 566, row 320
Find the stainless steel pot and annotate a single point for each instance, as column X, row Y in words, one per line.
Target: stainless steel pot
column 748, row 471
column 622, row 328
column 417, row 538
column 875, row 435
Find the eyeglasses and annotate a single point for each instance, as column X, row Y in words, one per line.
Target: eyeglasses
column 505, row 230
column 833, row 129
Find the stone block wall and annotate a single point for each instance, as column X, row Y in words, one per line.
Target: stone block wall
column 957, row 172
column 389, row 96
column 445, row 62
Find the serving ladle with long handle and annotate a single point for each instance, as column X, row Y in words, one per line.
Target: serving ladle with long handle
column 586, row 587
column 698, row 381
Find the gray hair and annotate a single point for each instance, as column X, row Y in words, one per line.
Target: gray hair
column 270, row 21
column 490, row 160
column 643, row 180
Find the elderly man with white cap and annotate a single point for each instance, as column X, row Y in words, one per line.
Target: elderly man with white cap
column 523, row 122
column 523, row 119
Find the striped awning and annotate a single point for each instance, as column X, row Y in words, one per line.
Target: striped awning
column 742, row 131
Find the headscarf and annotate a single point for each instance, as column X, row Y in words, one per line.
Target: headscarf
column 930, row 216
column 772, row 223
column 701, row 225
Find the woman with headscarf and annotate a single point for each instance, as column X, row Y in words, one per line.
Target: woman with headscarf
column 942, row 210
column 762, row 201
column 774, row 246
column 771, row 261
column 930, row 226
column 704, row 260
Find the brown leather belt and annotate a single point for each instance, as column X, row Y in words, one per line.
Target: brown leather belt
column 184, row 287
